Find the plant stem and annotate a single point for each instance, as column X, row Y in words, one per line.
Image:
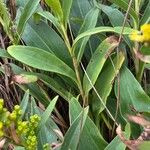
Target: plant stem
column 75, row 64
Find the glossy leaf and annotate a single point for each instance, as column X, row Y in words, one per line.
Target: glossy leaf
column 41, row 59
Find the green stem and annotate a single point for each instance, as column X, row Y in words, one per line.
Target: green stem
column 75, row 63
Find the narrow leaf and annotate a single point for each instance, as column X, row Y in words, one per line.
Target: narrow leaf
column 124, row 5
column 90, row 131
column 66, row 7
column 131, row 94
column 26, row 14
column 72, row 136
column 24, row 102
column 56, row 8
column 105, row 81
column 41, row 59
column 100, row 30
column 146, row 16
column 89, row 22
column 97, row 61
column 45, row 116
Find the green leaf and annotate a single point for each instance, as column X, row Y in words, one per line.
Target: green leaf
column 66, row 7
column 41, row 59
column 100, row 30
column 97, row 61
column 78, row 12
column 146, row 16
column 89, row 22
column 90, row 131
column 72, row 137
column 115, row 16
column 47, row 15
column 131, row 94
column 47, row 113
column 24, row 102
column 56, row 8
column 124, row 5
column 105, row 81
column 26, row 14
column 4, row 54
column 43, row 36
column 55, row 86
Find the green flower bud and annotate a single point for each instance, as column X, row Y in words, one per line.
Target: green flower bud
column 13, row 116
column 16, row 107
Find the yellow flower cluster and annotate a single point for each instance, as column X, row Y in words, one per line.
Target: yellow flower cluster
column 31, row 139
column 26, row 130
column 143, row 35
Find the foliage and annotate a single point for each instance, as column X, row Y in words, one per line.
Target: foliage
column 91, row 54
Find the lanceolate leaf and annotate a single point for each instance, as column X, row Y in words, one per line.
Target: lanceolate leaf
column 146, row 15
column 46, row 114
column 78, row 12
column 105, row 81
column 89, row 22
column 24, row 102
column 124, row 5
column 100, row 30
column 43, row 36
column 132, row 95
column 90, row 131
column 41, row 59
column 72, row 136
column 55, row 86
column 115, row 16
column 97, row 61
column 56, row 8
column 26, row 14
column 47, row 15
column 66, row 7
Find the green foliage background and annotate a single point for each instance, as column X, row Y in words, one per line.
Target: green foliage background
column 79, row 50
